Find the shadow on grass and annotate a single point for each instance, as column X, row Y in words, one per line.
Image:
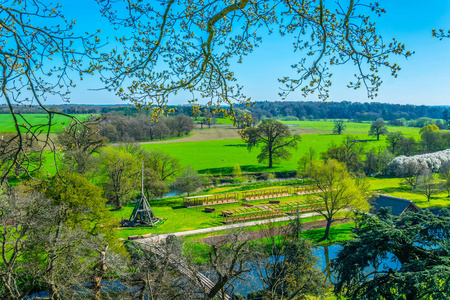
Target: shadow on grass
column 178, row 207
column 401, row 189
column 245, row 168
column 338, row 234
column 174, row 203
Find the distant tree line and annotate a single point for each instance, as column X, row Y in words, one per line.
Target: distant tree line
column 347, row 110
column 117, row 127
column 394, row 114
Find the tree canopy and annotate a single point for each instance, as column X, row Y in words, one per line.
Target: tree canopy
column 174, row 46
column 338, row 192
column 417, row 241
column 378, row 128
column 275, row 138
column 339, row 126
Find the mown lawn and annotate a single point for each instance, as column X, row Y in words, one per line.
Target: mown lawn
column 351, row 127
column 220, row 156
column 58, row 121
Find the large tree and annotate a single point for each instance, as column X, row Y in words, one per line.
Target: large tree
column 339, row 193
column 339, row 126
column 429, row 184
column 50, row 243
column 173, row 46
column 275, row 138
column 79, row 142
column 393, row 140
column 378, row 128
column 189, row 181
column 287, row 266
column 40, row 55
column 160, row 169
column 350, row 152
column 119, row 174
column 418, row 241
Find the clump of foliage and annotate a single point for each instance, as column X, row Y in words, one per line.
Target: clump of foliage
column 417, row 241
column 275, row 139
column 431, row 162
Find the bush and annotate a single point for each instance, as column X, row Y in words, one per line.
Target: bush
column 404, row 166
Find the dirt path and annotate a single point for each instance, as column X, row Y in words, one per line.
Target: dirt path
column 159, row 237
column 264, row 233
column 220, row 132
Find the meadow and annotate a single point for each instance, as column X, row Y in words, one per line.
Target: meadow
column 211, row 152
column 351, row 127
column 217, row 150
column 58, row 122
column 220, row 156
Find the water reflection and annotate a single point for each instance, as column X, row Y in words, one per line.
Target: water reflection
column 324, row 254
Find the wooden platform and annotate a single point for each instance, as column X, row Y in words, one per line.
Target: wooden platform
column 304, row 190
column 267, row 211
column 265, row 194
column 210, row 200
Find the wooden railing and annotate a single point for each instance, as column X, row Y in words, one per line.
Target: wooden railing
column 210, row 199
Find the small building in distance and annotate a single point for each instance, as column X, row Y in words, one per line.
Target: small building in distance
column 396, row 206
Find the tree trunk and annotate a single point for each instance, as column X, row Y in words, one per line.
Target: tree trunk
column 327, row 230
column 117, row 203
column 270, row 159
column 217, row 288
column 99, row 272
column 54, row 292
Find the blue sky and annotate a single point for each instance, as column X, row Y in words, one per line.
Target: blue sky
column 424, row 79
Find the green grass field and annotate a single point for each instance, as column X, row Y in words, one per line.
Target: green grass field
column 221, row 156
column 59, row 121
column 351, row 127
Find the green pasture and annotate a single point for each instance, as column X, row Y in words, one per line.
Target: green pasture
column 58, row 121
column 220, row 156
column 351, row 127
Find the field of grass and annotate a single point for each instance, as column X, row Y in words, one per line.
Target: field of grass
column 221, row 156
column 351, row 127
column 7, row 122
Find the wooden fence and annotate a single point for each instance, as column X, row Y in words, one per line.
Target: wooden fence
column 266, row 194
column 306, row 189
column 259, row 212
column 249, row 213
column 210, row 199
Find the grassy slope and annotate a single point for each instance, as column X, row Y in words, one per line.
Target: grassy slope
column 224, row 154
column 180, row 218
column 350, row 127
column 220, row 156
column 7, row 124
